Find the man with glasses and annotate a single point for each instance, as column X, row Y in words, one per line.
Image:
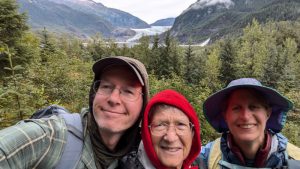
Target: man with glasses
column 117, row 99
column 170, row 135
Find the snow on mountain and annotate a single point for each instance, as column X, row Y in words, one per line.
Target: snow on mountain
column 205, row 3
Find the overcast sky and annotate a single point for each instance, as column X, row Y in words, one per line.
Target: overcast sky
column 150, row 10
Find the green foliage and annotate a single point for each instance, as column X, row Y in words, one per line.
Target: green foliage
column 142, row 50
column 97, row 47
column 14, row 96
column 291, row 66
column 165, row 62
column 51, row 77
column 47, row 46
column 12, row 24
column 247, row 54
column 45, row 69
column 12, row 27
column 112, row 49
column 154, row 57
column 60, row 76
column 189, row 58
column 212, row 71
column 168, row 60
column 227, row 55
column 290, row 132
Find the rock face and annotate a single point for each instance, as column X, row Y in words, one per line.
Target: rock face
column 79, row 17
column 215, row 19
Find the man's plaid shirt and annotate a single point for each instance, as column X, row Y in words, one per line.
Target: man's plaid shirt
column 38, row 143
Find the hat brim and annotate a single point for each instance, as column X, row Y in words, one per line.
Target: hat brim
column 212, row 107
column 102, row 64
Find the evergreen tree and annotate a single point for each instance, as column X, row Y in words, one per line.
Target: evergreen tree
column 227, row 61
column 176, row 61
column 125, row 51
column 97, row 48
column 14, row 79
column 188, row 72
column 252, row 53
column 12, row 27
column 112, row 49
column 155, row 43
column 14, row 97
column 212, row 71
column 289, row 77
column 169, row 60
column 73, row 46
column 272, row 66
column 47, row 46
column 165, row 66
column 142, row 50
column 155, row 55
column 12, row 24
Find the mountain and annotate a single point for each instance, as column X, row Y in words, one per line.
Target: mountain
column 164, row 22
column 215, row 19
column 79, row 17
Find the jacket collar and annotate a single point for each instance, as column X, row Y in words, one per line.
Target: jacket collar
column 261, row 155
column 87, row 152
column 143, row 158
column 276, row 155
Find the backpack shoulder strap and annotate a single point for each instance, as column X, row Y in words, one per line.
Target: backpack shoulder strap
column 215, row 155
column 73, row 147
column 74, row 125
column 293, row 151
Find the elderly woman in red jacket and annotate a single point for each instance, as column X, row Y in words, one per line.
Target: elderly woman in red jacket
column 170, row 135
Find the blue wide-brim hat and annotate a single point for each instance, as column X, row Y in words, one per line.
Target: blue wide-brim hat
column 212, row 106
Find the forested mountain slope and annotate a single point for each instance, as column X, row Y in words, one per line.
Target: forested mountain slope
column 205, row 19
column 78, row 17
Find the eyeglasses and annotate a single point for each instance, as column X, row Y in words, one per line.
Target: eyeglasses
column 160, row 129
column 106, row 88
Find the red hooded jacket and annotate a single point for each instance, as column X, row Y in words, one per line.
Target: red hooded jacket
column 173, row 98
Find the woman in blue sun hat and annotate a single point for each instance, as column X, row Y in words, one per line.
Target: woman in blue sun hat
column 250, row 117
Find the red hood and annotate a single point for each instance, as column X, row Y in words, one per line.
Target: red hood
column 175, row 99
